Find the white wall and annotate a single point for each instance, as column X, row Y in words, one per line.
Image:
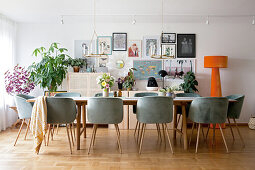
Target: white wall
column 235, row 40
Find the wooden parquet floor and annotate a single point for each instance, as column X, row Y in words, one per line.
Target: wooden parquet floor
column 105, row 155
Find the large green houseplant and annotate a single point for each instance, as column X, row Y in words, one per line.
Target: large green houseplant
column 51, row 70
column 190, row 83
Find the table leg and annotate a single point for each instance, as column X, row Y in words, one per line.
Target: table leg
column 184, row 127
column 78, row 130
column 84, row 120
column 174, row 122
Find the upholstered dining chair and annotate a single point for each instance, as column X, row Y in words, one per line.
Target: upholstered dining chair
column 234, row 111
column 61, row 111
column 208, row 110
column 105, row 110
column 24, row 111
column 101, row 95
column 137, row 126
column 154, row 110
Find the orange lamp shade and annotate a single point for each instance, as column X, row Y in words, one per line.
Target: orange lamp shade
column 216, row 61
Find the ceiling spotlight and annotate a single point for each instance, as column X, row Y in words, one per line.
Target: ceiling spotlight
column 134, row 21
column 207, row 20
column 62, row 20
column 253, row 21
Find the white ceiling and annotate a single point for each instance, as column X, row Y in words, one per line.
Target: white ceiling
column 49, row 11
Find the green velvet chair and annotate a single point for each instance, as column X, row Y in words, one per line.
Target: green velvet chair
column 24, row 111
column 208, row 110
column 144, row 94
column 234, row 111
column 154, row 110
column 69, row 94
column 105, row 110
column 61, row 111
column 101, row 95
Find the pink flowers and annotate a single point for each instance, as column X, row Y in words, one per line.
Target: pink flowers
column 18, row 81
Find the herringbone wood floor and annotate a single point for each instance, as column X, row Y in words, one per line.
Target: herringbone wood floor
column 105, row 154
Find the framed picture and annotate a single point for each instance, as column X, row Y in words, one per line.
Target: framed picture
column 104, row 45
column 134, row 48
column 147, row 68
column 102, row 61
column 168, row 50
column 168, row 38
column 186, row 45
column 119, row 41
column 151, row 46
column 51, row 94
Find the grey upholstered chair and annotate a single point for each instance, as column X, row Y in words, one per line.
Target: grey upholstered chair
column 208, row 110
column 61, row 111
column 234, row 111
column 154, row 110
column 68, row 94
column 101, row 95
column 137, row 126
column 24, row 111
column 105, row 110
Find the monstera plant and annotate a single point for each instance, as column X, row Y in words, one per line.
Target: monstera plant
column 51, row 70
column 190, row 83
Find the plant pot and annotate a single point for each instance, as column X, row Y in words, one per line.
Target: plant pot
column 106, row 93
column 162, row 93
column 173, row 95
column 251, row 123
column 76, row 69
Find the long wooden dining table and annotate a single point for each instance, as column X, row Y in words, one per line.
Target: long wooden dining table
column 81, row 103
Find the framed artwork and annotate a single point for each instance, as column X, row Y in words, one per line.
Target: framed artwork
column 102, row 61
column 104, row 45
column 151, row 46
column 168, row 38
column 134, row 48
column 177, row 68
column 168, row 50
column 147, row 68
column 119, row 41
column 51, row 94
column 186, row 45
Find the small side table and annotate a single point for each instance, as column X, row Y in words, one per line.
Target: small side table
column 19, row 121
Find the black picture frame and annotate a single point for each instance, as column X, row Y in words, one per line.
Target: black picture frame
column 167, row 38
column 122, row 43
column 186, row 45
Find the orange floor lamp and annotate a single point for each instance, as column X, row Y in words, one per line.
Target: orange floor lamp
column 215, row 62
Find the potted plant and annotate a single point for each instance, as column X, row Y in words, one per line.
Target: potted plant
column 18, row 81
column 76, row 63
column 106, row 82
column 170, row 91
column 51, row 70
column 129, row 80
column 162, row 92
column 190, row 83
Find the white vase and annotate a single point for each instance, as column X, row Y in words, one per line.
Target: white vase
column 105, row 92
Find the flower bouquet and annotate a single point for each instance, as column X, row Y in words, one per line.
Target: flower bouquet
column 106, row 82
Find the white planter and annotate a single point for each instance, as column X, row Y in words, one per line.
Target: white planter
column 251, row 123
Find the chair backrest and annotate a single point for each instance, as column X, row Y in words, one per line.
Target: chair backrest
column 69, row 94
column 24, row 108
column 187, row 95
column 105, row 110
column 209, row 110
column 234, row 108
column 60, row 110
column 143, row 95
column 101, row 95
column 155, row 109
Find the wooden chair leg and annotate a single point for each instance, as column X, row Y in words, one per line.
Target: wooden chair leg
column 19, row 131
column 142, row 136
column 214, row 142
column 28, row 124
column 118, row 137
column 44, row 138
column 191, row 132
column 168, row 137
column 71, row 131
column 68, row 136
column 73, row 126
column 57, row 128
column 136, row 127
column 48, row 137
column 239, row 132
column 207, row 132
column 159, row 133
column 138, row 132
column 52, row 132
column 94, row 139
column 93, row 133
column 198, row 131
column 202, row 129
column 232, row 133
column 164, row 135
column 223, row 138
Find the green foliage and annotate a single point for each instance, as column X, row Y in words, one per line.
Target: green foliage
column 76, row 62
column 51, row 70
column 190, row 83
column 129, row 80
column 162, row 90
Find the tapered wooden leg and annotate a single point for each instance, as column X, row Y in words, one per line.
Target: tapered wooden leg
column 184, row 128
column 175, row 122
column 207, row 132
column 71, row 131
column 232, row 133
column 159, row 133
column 27, row 129
column 19, row 131
column 164, row 135
column 92, row 137
column 78, row 126
column 136, row 127
column 118, row 137
column 239, row 133
column 198, row 131
column 191, row 132
column 169, row 141
column 68, row 136
column 57, row 128
column 73, row 126
column 214, row 134
column 223, row 138
column 48, row 137
column 138, row 132
column 142, row 136
column 84, row 120
column 52, row 132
